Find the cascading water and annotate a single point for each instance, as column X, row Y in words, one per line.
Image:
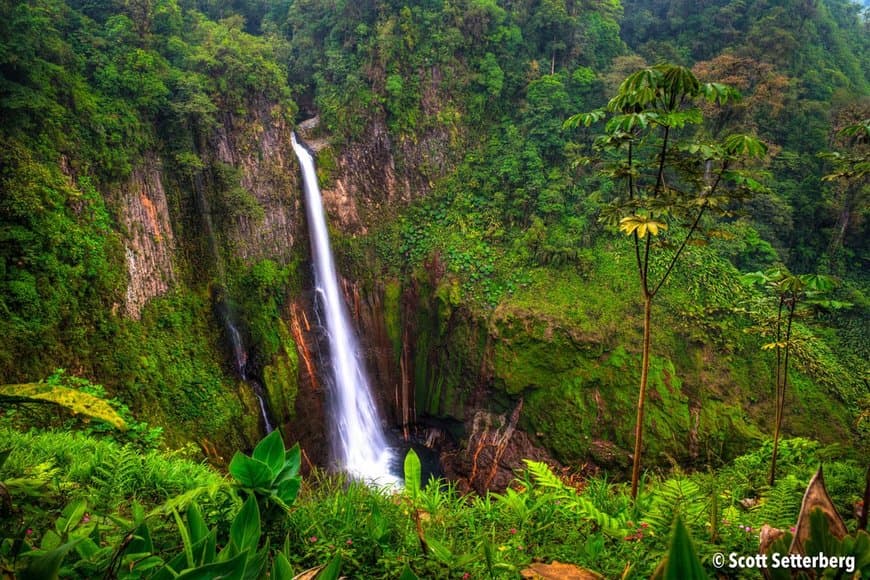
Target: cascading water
column 240, row 355
column 359, row 444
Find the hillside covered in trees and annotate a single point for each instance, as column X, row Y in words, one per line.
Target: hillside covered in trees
column 608, row 254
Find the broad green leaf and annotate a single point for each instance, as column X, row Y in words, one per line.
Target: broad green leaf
column 780, row 546
column 682, row 559
column 71, row 516
column 258, row 562
column 288, row 490
column 679, row 81
column 170, row 569
column 719, row 93
column 251, row 473
column 44, row 565
column 441, row 552
column 585, row 119
column 281, row 569
column 413, row 474
column 198, row 529
column 75, row 401
column 628, row 123
column 141, row 562
column 185, row 540
column 205, row 553
column 141, row 542
column 818, row 282
column 332, row 570
column 233, row 569
column 88, row 549
column 820, row 540
column 138, row 513
column 271, row 452
column 408, row 574
column 292, row 463
column 245, row 529
column 745, row 145
column 680, row 119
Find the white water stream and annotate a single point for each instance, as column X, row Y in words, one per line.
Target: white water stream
column 358, row 440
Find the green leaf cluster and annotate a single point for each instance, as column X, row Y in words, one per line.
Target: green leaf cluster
column 271, row 472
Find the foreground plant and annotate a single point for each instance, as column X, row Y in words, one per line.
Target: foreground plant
column 671, row 184
column 790, row 292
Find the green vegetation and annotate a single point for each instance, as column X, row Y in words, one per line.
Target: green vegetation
column 149, row 199
column 669, row 184
column 82, row 506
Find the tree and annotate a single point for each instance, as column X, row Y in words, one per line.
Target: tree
column 673, row 179
column 789, row 290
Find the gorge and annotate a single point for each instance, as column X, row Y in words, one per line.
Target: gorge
column 458, row 271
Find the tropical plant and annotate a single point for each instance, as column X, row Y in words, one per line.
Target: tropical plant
column 71, row 399
column 681, row 561
column 558, row 491
column 670, row 185
column 72, row 530
column 271, row 473
column 789, row 291
column 819, row 531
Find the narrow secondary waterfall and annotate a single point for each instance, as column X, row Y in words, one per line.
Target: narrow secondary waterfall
column 359, row 443
column 240, row 355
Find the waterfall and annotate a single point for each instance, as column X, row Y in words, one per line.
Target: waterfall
column 358, row 440
column 240, row 355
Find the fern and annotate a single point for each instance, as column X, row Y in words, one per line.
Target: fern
column 587, row 510
column 780, row 505
column 676, row 496
column 181, row 501
column 118, row 476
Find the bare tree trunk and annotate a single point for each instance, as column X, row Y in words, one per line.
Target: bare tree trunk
column 780, row 410
column 641, row 397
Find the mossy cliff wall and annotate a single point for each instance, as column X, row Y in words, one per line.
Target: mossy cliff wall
column 572, row 371
column 222, row 222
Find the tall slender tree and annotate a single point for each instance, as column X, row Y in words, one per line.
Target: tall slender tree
column 674, row 181
column 789, row 291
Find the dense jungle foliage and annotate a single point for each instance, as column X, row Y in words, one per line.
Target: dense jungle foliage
column 540, row 219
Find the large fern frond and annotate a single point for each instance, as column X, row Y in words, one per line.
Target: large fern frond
column 569, row 497
column 678, row 495
column 780, row 505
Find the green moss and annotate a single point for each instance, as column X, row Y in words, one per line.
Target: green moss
column 168, row 367
column 448, row 347
column 808, row 406
column 281, row 378
column 327, row 163
column 393, row 313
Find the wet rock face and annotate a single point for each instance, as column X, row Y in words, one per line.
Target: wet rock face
column 149, row 243
column 364, row 178
column 379, row 173
column 259, row 145
column 492, row 457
